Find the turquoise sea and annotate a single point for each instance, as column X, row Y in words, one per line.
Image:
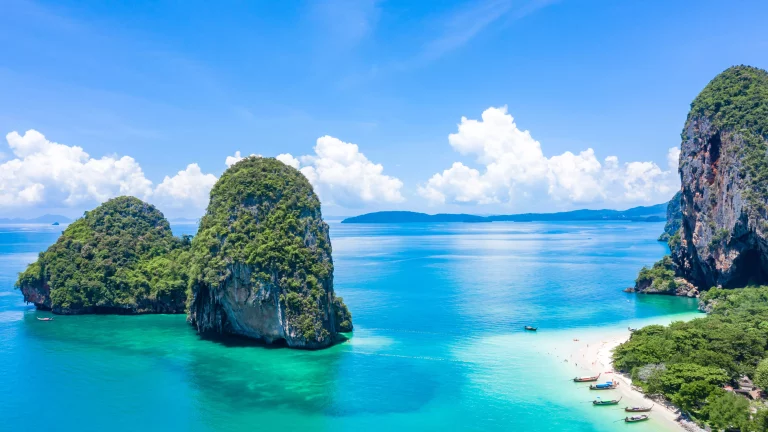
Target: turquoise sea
column 438, row 343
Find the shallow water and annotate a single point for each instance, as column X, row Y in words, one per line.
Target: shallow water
column 438, row 342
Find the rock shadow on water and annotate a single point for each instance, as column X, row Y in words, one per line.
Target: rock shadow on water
column 230, row 340
column 237, row 341
column 333, row 382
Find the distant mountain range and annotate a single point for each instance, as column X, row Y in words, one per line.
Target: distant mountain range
column 655, row 213
column 44, row 219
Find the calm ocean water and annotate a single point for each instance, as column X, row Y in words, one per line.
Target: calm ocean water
column 438, row 344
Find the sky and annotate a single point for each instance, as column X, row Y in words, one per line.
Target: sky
column 487, row 106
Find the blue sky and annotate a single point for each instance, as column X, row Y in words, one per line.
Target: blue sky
column 174, row 83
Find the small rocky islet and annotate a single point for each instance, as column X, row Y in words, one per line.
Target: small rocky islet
column 119, row 258
column 260, row 265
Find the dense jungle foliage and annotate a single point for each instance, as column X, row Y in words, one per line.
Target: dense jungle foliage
column 690, row 362
column 120, row 257
column 659, row 278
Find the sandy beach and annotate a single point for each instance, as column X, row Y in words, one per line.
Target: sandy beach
column 592, row 355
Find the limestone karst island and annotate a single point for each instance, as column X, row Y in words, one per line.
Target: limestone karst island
column 261, row 260
column 260, row 265
column 384, row 215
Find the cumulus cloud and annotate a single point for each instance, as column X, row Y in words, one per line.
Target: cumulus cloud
column 46, row 171
column 342, row 175
column 515, row 170
column 289, row 160
column 187, row 189
column 231, row 160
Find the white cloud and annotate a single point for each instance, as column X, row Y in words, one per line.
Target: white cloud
column 516, row 171
column 45, row 171
column 342, row 175
column 289, row 160
column 673, row 158
column 231, row 160
column 187, row 189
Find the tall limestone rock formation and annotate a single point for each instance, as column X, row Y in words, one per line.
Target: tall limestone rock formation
column 262, row 265
column 723, row 168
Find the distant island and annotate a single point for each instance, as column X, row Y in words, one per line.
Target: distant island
column 655, row 213
column 47, row 219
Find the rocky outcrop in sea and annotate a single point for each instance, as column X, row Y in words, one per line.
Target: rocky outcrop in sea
column 119, row 258
column 262, row 265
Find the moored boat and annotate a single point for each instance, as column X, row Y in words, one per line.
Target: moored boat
column 45, row 319
column 610, row 385
column 638, row 409
column 637, row 418
column 529, row 328
column 587, row 379
column 606, row 402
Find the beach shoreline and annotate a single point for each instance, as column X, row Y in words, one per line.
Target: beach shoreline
column 592, row 355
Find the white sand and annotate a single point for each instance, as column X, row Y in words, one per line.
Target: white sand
column 593, row 354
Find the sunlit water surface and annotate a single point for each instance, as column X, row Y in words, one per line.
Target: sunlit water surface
column 438, row 343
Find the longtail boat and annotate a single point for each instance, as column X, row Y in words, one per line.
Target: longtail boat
column 529, row 328
column 606, row 402
column 587, row 379
column 637, row 418
column 45, row 319
column 610, row 385
column 632, row 329
column 638, row 409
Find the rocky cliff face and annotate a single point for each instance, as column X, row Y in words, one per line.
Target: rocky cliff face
column 262, row 265
column 119, row 258
column 674, row 218
column 724, row 173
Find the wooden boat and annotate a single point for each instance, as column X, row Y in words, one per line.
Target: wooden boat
column 606, row 402
column 607, row 386
column 529, row 328
column 638, row 409
column 45, row 319
column 587, row 379
column 637, row 418
column 631, row 329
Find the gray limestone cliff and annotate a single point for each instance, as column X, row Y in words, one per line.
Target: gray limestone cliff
column 674, row 218
column 723, row 238
column 262, row 265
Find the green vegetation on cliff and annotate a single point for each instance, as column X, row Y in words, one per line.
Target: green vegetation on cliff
column 736, row 101
column 690, row 362
column 659, row 278
column 120, row 257
column 265, row 215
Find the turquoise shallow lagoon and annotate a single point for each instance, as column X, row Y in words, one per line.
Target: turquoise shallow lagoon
column 438, row 344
